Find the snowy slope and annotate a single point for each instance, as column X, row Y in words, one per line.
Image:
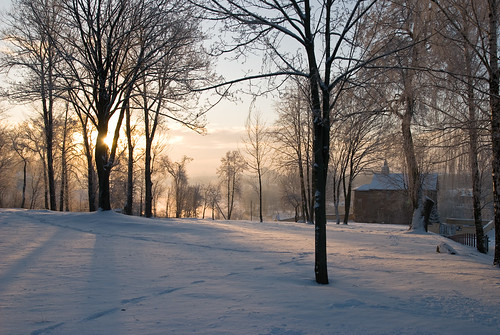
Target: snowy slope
column 106, row 273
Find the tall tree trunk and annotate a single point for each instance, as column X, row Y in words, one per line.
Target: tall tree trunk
column 62, row 189
column 309, row 183
column 103, row 168
column 91, row 187
column 320, row 114
column 150, row 127
column 473, row 160
column 148, row 198
column 321, row 141
column 494, row 83
column 45, row 183
column 49, row 139
column 300, row 166
column 130, row 165
column 63, row 162
column 46, row 90
column 414, row 182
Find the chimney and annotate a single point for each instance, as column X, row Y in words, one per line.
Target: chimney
column 385, row 168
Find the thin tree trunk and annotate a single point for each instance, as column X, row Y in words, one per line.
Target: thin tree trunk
column 130, row 165
column 62, row 189
column 66, row 191
column 348, row 199
column 148, row 197
column 150, row 134
column 260, row 195
column 230, row 198
column 25, row 167
column 141, row 205
column 50, row 167
column 494, row 83
column 303, row 196
column 473, row 161
column 47, row 109
column 91, row 187
column 91, row 191
column 309, row 180
column 336, row 195
column 45, row 183
column 63, row 162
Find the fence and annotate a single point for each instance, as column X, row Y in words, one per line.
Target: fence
column 469, row 239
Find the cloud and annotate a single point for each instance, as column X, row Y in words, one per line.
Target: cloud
column 206, row 150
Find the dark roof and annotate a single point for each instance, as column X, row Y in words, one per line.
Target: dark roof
column 397, row 181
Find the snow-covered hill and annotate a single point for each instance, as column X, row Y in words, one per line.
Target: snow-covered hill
column 106, row 273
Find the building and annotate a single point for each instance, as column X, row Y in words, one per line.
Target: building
column 385, row 199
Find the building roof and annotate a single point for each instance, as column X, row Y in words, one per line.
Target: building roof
column 397, row 181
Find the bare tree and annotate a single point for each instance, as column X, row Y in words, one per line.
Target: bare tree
column 325, row 39
column 356, row 147
column 167, row 89
column 258, row 149
column 66, row 127
column 485, row 17
column 21, row 149
column 130, row 161
column 194, row 200
column 229, row 172
column 107, row 46
column 293, row 137
column 33, row 54
column 462, row 80
column 6, row 161
column 290, row 192
column 33, row 132
column 211, row 197
column 494, row 90
column 177, row 171
column 401, row 83
column 86, row 131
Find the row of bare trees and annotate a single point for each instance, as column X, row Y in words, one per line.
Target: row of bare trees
column 104, row 59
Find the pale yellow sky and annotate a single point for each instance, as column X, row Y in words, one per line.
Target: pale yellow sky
column 225, row 129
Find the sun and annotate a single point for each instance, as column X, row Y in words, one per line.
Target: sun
column 108, row 140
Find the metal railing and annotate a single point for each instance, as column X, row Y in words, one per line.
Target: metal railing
column 469, row 240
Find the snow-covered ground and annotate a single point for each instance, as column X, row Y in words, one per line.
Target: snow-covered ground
column 107, row 273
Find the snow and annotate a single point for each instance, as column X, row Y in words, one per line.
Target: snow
column 397, row 182
column 107, row 273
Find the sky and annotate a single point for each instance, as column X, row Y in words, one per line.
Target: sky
column 224, row 130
